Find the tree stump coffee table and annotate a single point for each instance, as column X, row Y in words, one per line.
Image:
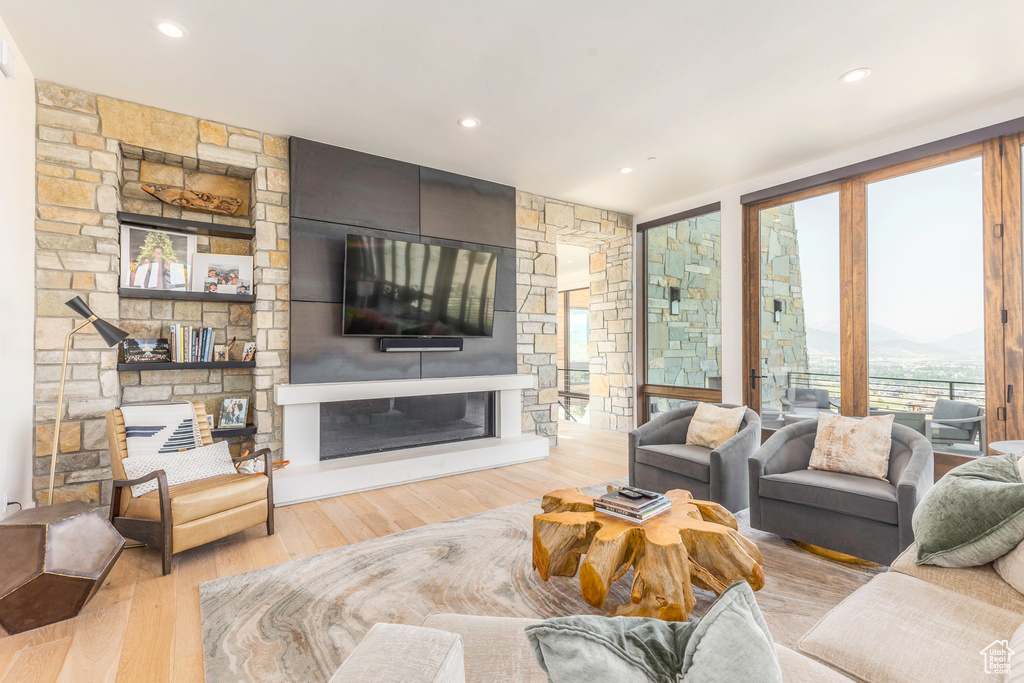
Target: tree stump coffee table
column 694, row 543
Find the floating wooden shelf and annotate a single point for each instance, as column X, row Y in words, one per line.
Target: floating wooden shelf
column 187, row 227
column 216, row 365
column 133, row 293
column 227, row 433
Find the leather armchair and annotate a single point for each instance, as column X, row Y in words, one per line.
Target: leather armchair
column 861, row 516
column 176, row 518
column 660, row 460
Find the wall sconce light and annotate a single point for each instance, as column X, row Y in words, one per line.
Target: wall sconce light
column 673, row 299
column 777, row 306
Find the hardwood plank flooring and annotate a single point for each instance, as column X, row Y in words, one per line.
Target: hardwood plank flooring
column 143, row 626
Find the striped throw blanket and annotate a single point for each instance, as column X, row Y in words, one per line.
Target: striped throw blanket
column 164, row 428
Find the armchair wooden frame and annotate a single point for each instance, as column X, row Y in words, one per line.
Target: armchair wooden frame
column 159, row 533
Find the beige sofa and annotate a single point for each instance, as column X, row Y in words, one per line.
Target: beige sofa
column 912, row 623
column 452, row 648
column 920, row 623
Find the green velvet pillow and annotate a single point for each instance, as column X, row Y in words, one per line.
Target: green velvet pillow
column 729, row 644
column 973, row 515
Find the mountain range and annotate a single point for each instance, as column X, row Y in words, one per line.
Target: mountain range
column 885, row 342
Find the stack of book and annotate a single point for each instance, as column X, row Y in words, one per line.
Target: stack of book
column 632, row 504
column 191, row 344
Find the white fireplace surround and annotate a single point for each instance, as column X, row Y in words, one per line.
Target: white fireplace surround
column 309, row 478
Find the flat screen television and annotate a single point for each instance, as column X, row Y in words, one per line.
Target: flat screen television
column 399, row 288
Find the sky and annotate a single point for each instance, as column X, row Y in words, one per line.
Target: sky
column 925, row 261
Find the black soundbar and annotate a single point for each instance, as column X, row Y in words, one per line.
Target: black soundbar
column 399, row 344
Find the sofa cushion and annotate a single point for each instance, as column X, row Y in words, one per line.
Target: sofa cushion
column 690, row 461
column 494, row 648
column 1011, row 567
column 846, row 493
column 198, row 499
column 412, row 654
column 981, row 582
column 730, row 643
column 853, row 446
column 973, row 515
column 900, row 629
column 713, row 425
column 798, row 668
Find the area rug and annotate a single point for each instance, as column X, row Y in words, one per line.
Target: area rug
column 298, row 621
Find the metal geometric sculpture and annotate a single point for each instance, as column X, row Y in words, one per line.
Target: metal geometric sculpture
column 53, row 559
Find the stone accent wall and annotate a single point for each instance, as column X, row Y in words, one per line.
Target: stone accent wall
column 784, row 343
column 685, row 349
column 541, row 223
column 92, row 154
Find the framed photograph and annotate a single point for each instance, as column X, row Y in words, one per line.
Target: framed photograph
column 220, row 353
column 156, row 259
column 146, row 351
column 222, row 274
column 234, row 412
column 249, row 351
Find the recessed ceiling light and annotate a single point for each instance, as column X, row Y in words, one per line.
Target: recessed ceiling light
column 626, row 169
column 568, row 260
column 169, row 28
column 468, row 122
column 652, row 158
column 855, row 75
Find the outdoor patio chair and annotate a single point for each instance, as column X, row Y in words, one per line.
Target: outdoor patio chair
column 957, row 422
column 808, row 402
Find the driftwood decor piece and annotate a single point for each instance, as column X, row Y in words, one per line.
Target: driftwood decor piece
column 694, row 543
column 196, row 201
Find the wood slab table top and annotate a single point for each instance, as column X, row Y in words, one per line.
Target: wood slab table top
column 695, row 543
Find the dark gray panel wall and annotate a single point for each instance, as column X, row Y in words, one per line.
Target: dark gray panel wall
column 335, row 192
column 319, row 352
column 344, row 186
column 494, row 355
column 457, row 207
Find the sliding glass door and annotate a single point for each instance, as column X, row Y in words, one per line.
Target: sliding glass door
column 799, row 309
column 894, row 291
column 926, row 302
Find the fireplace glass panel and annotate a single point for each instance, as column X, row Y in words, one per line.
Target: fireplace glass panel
column 350, row 428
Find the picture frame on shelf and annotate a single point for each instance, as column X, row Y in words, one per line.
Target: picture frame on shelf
column 234, row 413
column 220, row 353
column 146, row 351
column 249, row 351
column 222, row 274
column 155, row 259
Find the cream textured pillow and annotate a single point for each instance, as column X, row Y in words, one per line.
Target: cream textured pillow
column 711, row 425
column 180, row 468
column 1011, row 565
column 854, row 446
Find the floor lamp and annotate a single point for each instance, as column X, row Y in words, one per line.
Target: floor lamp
column 111, row 335
column 56, row 557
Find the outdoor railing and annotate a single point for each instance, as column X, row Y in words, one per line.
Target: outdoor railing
column 893, row 393
column 573, row 391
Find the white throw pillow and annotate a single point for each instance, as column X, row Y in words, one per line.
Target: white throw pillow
column 180, row 468
column 712, row 425
column 853, row 446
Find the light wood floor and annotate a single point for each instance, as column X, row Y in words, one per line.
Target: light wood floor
column 145, row 627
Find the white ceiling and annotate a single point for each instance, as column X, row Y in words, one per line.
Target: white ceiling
column 567, row 91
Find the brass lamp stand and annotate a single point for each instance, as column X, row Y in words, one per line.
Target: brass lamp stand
column 56, row 557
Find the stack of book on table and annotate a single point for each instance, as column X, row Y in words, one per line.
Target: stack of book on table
column 632, row 504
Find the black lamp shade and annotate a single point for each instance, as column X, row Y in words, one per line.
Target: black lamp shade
column 110, row 334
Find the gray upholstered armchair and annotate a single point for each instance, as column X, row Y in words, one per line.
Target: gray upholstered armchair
column 861, row 516
column 660, row 460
